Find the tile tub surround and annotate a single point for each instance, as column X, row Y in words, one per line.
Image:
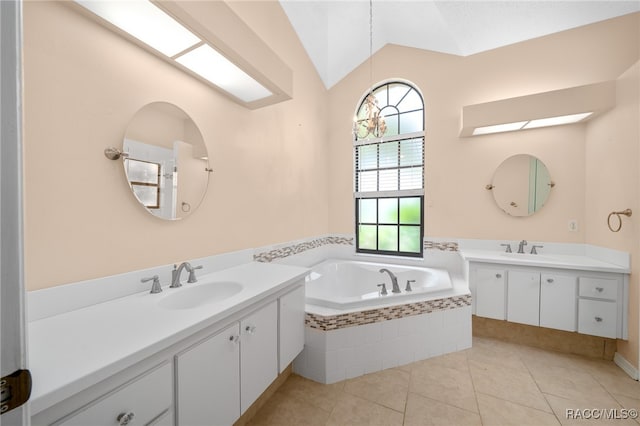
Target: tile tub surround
column 351, row 351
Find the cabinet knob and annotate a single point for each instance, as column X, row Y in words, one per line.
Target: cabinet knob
column 549, row 280
column 599, row 289
column 598, row 319
column 250, row 329
column 233, row 338
column 124, row 418
column 498, row 275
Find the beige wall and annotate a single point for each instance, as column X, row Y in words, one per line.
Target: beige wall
column 83, row 84
column 613, row 184
column 457, row 169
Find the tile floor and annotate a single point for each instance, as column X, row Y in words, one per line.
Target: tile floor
column 493, row 383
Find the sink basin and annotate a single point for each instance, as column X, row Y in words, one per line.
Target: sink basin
column 526, row 256
column 194, row 295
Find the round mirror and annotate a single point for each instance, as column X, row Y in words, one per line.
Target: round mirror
column 166, row 161
column 521, row 185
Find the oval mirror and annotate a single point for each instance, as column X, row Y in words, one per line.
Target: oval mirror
column 167, row 165
column 521, row 185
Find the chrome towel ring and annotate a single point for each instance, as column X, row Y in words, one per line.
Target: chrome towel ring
column 626, row 212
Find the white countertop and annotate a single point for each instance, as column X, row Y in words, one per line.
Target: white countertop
column 561, row 261
column 77, row 349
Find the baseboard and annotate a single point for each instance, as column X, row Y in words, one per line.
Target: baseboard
column 626, row 366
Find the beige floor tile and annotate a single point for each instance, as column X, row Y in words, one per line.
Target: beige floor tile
column 388, row 388
column 575, row 412
column 423, row 411
column 630, row 404
column 289, row 410
column 317, row 394
column 576, row 385
column 509, row 384
column 620, row 384
column 499, row 412
column 444, row 384
column 352, row 410
column 456, row 360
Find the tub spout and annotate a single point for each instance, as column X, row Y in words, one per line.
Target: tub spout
column 394, row 280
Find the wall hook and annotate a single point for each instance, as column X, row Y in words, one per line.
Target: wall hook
column 625, row 212
column 113, row 153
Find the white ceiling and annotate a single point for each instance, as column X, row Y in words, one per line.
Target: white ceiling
column 335, row 33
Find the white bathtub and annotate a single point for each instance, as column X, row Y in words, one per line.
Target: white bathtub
column 346, row 284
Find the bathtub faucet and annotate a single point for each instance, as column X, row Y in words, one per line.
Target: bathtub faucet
column 394, row 280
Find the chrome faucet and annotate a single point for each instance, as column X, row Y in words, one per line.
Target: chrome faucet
column 521, row 246
column 394, row 280
column 175, row 274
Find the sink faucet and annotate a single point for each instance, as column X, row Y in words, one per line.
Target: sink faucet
column 394, row 280
column 521, row 246
column 175, row 274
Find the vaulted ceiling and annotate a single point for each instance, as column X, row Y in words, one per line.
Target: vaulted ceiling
column 336, row 34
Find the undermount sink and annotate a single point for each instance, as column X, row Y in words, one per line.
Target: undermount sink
column 526, row 256
column 194, row 295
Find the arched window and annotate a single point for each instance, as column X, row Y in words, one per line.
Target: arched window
column 389, row 171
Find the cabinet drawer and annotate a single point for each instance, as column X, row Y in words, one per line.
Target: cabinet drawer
column 599, row 288
column 598, row 318
column 147, row 398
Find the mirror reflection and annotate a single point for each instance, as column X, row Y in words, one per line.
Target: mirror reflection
column 521, row 185
column 167, row 166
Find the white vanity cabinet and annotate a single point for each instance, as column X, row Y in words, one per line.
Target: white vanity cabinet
column 258, row 353
column 291, row 315
column 598, row 306
column 489, row 291
column 208, row 385
column 146, row 400
column 571, row 300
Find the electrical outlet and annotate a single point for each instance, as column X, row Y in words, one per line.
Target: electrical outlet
column 573, row 225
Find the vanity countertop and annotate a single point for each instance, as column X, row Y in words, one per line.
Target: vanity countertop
column 561, row 261
column 72, row 351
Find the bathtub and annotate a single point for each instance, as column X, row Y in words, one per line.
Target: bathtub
column 345, row 284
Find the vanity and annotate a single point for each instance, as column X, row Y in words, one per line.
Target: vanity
column 199, row 354
column 579, row 292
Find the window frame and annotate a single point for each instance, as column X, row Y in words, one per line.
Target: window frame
column 397, row 194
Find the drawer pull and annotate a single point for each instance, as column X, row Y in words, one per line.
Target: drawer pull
column 498, row 275
column 250, row 329
column 234, row 338
column 599, row 289
column 124, row 418
column 598, row 319
column 549, row 280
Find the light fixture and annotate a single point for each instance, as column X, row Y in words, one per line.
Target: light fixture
column 499, row 128
column 212, row 66
column 372, row 124
column 147, row 23
column 531, row 124
column 556, row 121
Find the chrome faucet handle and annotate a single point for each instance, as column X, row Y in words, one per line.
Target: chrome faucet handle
column 508, row 248
column 533, row 249
column 408, row 287
column 155, row 287
column 384, row 289
column 192, row 274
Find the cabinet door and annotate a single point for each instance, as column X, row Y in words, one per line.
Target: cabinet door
column 558, row 302
column 259, row 353
column 291, row 316
column 208, row 388
column 490, row 292
column 143, row 400
column 523, row 297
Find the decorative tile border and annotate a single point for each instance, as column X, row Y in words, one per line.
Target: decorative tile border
column 282, row 252
column 335, row 322
column 286, row 251
column 444, row 246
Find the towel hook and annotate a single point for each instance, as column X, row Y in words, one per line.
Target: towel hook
column 626, row 212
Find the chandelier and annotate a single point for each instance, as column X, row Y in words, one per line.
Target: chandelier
column 371, row 123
